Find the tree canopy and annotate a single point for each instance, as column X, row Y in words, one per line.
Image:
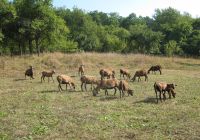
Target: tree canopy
column 35, row 26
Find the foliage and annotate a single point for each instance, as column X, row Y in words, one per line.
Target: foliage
column 35, row 26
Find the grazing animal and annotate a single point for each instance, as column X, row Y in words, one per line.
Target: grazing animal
column 85, row 79
column 29, row 72
column 125, row 72
column 162, row 87
column 106, row 84
column 67, row 80
column 139, row 74
column 107, row 73
column 155, row 68
column 123, row 86
column 47, row 74
column 81, row 70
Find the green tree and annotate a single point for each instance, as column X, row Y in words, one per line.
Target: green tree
column 172, row 48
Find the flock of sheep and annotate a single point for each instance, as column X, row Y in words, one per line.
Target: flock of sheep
column 108, row 81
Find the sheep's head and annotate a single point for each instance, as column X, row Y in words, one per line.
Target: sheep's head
column 130, row 92
column 148, row 71
column 113, row 75
column 53, row 71
column 173, row 93
column 133, row 79
column 73, row 85
column 129, row 76
column 113, row 72
column 95, row 92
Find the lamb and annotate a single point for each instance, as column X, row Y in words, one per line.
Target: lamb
column 47, row 74
column 29, row 72
column 81, row 70
column 155, row 68
column 64, row 79
column 123, row 86
column 107, row 73
column 106, row 84
column 162, row 87
column 139, row 74
column 85, row 79
column 125, row 72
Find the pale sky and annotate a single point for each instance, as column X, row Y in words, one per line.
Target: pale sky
column 126, row 7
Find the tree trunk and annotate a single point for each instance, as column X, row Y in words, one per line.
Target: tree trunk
column 20, row 49
column 37, row 46
column 30, row 46
column 24, row 48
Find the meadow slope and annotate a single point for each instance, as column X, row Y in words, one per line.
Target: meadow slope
column 30, row 109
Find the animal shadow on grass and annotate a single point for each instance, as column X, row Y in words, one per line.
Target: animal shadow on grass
column 149, row 100
column 107, row 98
column 49, row 91
column 20, row 79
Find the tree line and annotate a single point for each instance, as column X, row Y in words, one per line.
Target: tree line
column 35, row 26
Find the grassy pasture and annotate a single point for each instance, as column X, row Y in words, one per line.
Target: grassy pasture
column 30, row 109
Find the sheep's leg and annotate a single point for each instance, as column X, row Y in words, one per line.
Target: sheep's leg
column 82, row 86
column 139, row 79
column 156, row 96
column 160, row 96
column 41, row 79
column 120, row 92
column 85, row 87
column 169, row 92
column 91, row 86
column 52, row 79
column 164, row 97
column 59, row 87
column 115, row 91
column 48, row 79
column 66, row 86
column 146, row 78
column 160, row 72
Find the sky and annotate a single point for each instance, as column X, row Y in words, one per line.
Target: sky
column 126, row 7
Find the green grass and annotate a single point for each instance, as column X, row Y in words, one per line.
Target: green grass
column 30, row 109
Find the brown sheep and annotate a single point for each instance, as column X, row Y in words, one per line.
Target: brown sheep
column 125, row 72
column 107, row 73
column 47, row 74
column 155, row 68
column 123, row 86
column 85, row 79
column 64, row 79
column 139, row 74
column 81, row 70
column 106, row 84
column 29, row 72
column 162, row 87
